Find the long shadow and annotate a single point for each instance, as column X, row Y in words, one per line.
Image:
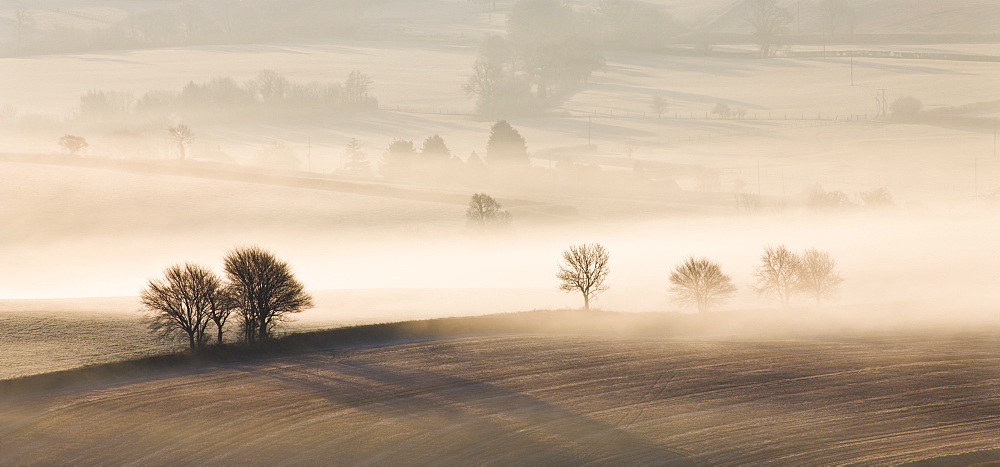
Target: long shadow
column 532, row 431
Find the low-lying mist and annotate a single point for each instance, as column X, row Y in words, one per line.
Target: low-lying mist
column 937, row 257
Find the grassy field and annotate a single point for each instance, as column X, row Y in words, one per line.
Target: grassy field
column 539, row 399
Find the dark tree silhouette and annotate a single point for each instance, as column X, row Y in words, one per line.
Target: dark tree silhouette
column 73, row 144
column 220, row 311
column 357, row 160
column 484, row 212
column 184, row 302
column 816, row 275
column 434, row 149
column 264, row 291
column 400, row 159
column 584, row 269
column 768, row 21
column 777, row 273
column 182, row 137
column 506, row 146
column 553, row 45
column 494, row 83
column 700, row 281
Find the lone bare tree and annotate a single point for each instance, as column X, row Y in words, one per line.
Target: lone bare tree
column 701, row 282
column 836, row 13
column 264, row 291
column 659, row 105
column 484, row 212
column 584, row 269
column 184, row 302
column 182, row 136
column 777, row 273
column 816, row 275
column 72, row 144
column 768, row 21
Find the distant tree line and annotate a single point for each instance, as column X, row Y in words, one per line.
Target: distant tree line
column 259, row 289
column 402, row 160
column 268, row 95
column 221, row 22
column 700, row 282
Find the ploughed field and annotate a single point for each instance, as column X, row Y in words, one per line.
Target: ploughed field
column 538, row 400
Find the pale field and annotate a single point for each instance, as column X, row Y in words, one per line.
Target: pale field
column 789, row 129
column 45, row 335
column 540, row 400
column 84, row 232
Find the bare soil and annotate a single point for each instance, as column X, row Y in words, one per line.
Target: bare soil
column 539, row 400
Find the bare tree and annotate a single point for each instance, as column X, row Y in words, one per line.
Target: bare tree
column 836, row 13
column 879, row 197
column 357, row 160
column 485, row 212
column 24, row 21
column 722, row 110
column 264, row 291
column 270, row 85
column 768, row 21
column 221, row 310
column 356, row 88
column 701, row 282
column 816, row 275
column 659, row 105
column 777, row 273
column 749, row 203
column 184, row 302
column 73, row 144
column 182, row 136
column 584, row 269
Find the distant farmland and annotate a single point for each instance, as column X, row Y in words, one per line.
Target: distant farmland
column 539, row 400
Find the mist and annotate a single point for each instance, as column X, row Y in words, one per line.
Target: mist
column 707, row 232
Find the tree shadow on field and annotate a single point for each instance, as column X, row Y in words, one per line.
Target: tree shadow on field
column 470, row 420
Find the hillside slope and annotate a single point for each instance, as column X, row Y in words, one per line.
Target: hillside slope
column 534, row 400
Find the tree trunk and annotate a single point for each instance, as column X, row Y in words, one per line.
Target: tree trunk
column 191, row 341
column 220, row 333
column 586, row 302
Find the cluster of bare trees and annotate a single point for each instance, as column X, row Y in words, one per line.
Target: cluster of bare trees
column 259, row 290
column 700, row 282
column 485, row 213
column 769, row 21
column 267, row 95
column 782, row 273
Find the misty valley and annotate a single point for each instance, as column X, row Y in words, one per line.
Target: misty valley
column 683, row 232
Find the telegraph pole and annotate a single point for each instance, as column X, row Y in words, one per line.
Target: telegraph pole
column 852, row 68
